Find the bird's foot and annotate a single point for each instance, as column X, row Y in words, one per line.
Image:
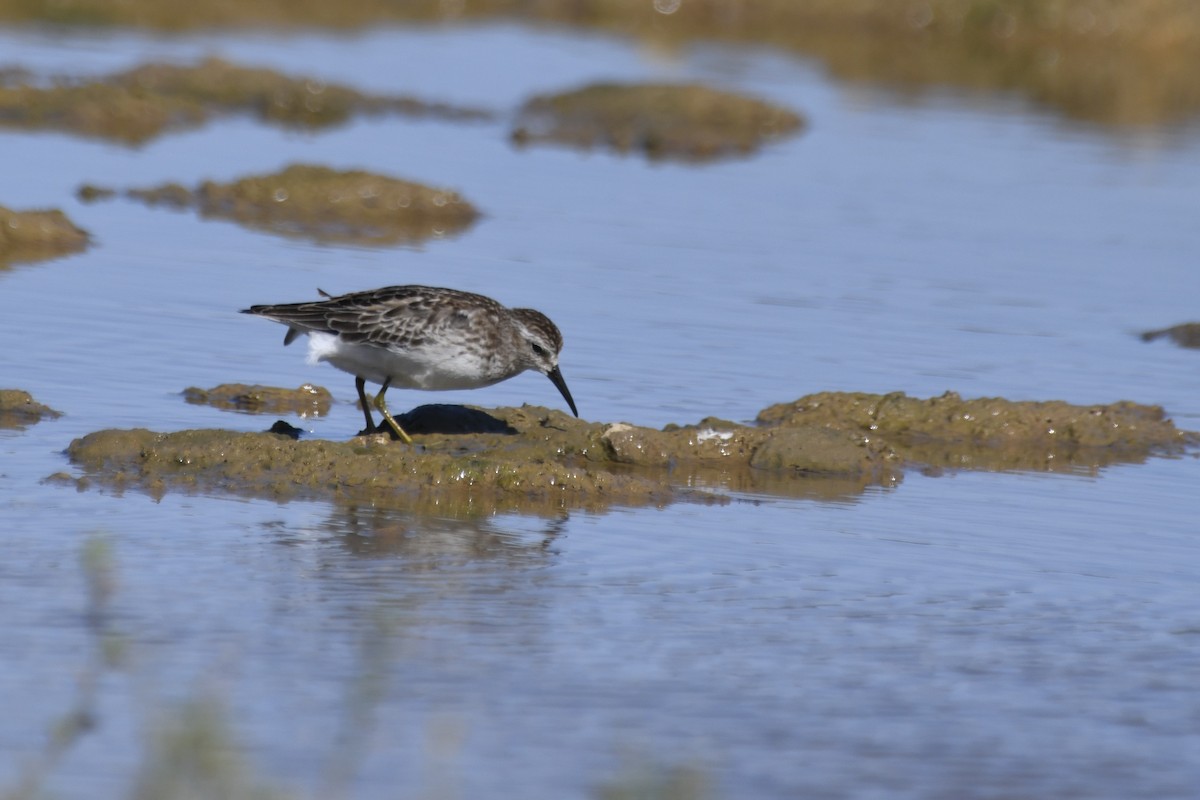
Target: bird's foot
column 392, row 426
column 396, row 434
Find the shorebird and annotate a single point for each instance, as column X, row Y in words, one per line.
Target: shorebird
column 422, row 337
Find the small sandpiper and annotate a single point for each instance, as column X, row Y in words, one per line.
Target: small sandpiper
column 422, row 337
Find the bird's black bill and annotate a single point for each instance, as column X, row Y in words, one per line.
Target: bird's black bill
column 557, row 379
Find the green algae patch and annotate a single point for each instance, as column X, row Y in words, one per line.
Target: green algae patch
column 306, row 400
column 989, row 433
column 1185, row 335
column 140, row 104
column 664, row 121
column 319, row 204
column 28, row 236
column 19, row 410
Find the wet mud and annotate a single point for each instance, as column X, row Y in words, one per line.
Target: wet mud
column 304, row 401
column 317, row 203
column 1129, row 63
column 29, row 236
column 143, row 103
column 18, row 410
column 1185, row 335
column 536, row 460
column 685, row 122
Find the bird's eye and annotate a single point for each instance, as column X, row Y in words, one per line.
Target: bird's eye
column 538, row 350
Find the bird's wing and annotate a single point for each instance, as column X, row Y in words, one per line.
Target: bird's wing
column 398, row 317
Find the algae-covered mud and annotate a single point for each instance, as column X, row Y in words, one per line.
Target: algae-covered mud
column 686, row 122
column 1184, row 335
column 27, row 236
column 305, row 401
column 318, row 203
column 1124, row 62
column 19, row 410
column 990, row 433
column 538, row 460
column 147, row 101
column 540, row 469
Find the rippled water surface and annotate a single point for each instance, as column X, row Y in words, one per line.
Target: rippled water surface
column 968, row 635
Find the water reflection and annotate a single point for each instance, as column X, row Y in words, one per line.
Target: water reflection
column 422, row 543
column 763, row 485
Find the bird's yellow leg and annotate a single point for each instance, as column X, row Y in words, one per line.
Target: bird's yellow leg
column 387, row 415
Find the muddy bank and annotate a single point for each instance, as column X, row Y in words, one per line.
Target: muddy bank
column 1132, row 62
column 317, row 203
column 28, row 236
column 19, row 410
column 537, row 460
column 142, row 103
column 663, row 121
column 303, row 401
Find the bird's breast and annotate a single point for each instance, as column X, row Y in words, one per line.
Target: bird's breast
column 431, row 365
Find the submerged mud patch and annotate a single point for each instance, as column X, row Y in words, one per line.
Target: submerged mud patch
column 19, row 410
column 536, row 460
column 27, row 236
column 147, row 101
column 319, row 203
column 305, row 401
column 1185, row 335
column 668, row 121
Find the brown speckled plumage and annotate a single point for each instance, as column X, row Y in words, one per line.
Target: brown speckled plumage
column 423, row 337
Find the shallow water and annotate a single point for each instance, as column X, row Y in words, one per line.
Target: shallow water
column 971, row 635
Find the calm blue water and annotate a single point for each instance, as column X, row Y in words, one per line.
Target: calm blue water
column 974, row 635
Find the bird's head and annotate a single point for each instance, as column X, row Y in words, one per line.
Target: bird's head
column 543, row 342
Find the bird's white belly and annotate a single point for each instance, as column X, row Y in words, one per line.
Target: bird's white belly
column 432, row 367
